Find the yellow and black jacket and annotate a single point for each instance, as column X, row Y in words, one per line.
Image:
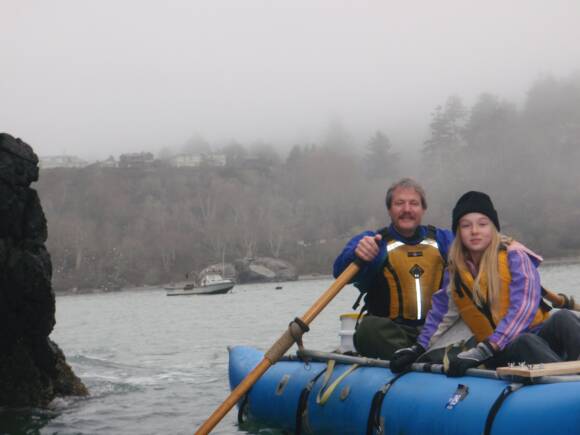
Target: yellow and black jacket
column 406, row 277
column 477, row 313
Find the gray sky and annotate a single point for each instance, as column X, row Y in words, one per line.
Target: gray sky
column 94, row 78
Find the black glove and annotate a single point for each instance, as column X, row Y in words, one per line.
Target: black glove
column 469, row 359
column 403, row 358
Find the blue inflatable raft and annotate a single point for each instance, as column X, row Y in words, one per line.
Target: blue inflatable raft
column 297, row 397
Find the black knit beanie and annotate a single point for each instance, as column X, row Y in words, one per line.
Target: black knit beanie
column 473, row 202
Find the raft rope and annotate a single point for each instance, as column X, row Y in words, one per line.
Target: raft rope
column 325, row 393
column 297, row 329
column 303, row 402
column 497, row 405
column 374, row 423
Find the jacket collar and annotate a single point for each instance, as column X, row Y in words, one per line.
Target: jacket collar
column 413, row 240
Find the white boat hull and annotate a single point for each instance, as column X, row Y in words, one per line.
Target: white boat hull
column 210, row 289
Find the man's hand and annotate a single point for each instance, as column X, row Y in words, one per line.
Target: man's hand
column 403, row 358
column 469, row 359
column 368, row 248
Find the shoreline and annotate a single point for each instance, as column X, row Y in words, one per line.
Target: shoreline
column 553, row 261
column 313, row 276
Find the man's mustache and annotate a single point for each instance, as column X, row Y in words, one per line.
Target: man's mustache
column 406, row 215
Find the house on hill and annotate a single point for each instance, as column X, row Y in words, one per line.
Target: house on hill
column 197, row 160
column 108, row 163
column 136, row 160
column 185, row 160
column 62, row 161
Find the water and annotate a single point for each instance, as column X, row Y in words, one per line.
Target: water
column 158, row 365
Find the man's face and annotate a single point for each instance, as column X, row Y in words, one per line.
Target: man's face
column 406, row 210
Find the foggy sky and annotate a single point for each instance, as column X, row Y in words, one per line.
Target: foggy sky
column 94, row 78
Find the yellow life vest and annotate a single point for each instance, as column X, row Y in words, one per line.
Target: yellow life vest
column 413, row 274
column 477, row 315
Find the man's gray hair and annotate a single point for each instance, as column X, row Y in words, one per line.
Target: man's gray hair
column 406, row 183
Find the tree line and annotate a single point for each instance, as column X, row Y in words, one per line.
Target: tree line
column 113, row 227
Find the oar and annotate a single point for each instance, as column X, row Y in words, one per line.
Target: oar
column 560, row 300
column 292, row 335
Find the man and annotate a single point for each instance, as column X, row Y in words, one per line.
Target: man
column 402, row 271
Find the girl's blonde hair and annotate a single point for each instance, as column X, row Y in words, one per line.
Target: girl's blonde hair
column 488, row 266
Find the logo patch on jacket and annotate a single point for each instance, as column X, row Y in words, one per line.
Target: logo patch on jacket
column 415, row 254
column 416, row 271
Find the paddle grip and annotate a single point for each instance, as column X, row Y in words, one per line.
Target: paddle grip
column 293, row 334
column 560, row 300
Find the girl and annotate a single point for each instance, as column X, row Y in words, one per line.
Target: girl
column 493, row 285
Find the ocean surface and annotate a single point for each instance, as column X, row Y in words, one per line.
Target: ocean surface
column 158, row 365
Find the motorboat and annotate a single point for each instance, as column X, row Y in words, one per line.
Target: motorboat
column 210, row 284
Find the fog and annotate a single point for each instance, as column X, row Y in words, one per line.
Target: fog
column 94, row 78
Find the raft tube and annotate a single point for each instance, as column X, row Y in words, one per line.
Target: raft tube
column 415, row 403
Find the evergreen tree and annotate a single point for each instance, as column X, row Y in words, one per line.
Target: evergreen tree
column 337, row 137
column 235, row 154
column 446, row 129
column 380, row 161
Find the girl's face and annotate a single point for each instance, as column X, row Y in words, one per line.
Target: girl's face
column 475, row 231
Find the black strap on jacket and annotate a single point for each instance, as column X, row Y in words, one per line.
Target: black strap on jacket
column 357, row 302
column 431, row 232
column 544, row 305
column 374, row 421
column 461, row 289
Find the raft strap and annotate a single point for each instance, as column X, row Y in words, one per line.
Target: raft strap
column 243, row 408
column 374, row 420
column 326, row 391
column 303, row 401
column 497, row 404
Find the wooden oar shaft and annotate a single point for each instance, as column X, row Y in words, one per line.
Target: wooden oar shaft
column 234, row 397
column 329, row 294
column 281, row 346
column 559, row 300
column 555, row 298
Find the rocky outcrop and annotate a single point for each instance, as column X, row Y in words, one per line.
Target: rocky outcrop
column 264, row 269
column 33, row 370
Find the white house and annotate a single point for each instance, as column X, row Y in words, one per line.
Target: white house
column 186, row 160
column 63, row 161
